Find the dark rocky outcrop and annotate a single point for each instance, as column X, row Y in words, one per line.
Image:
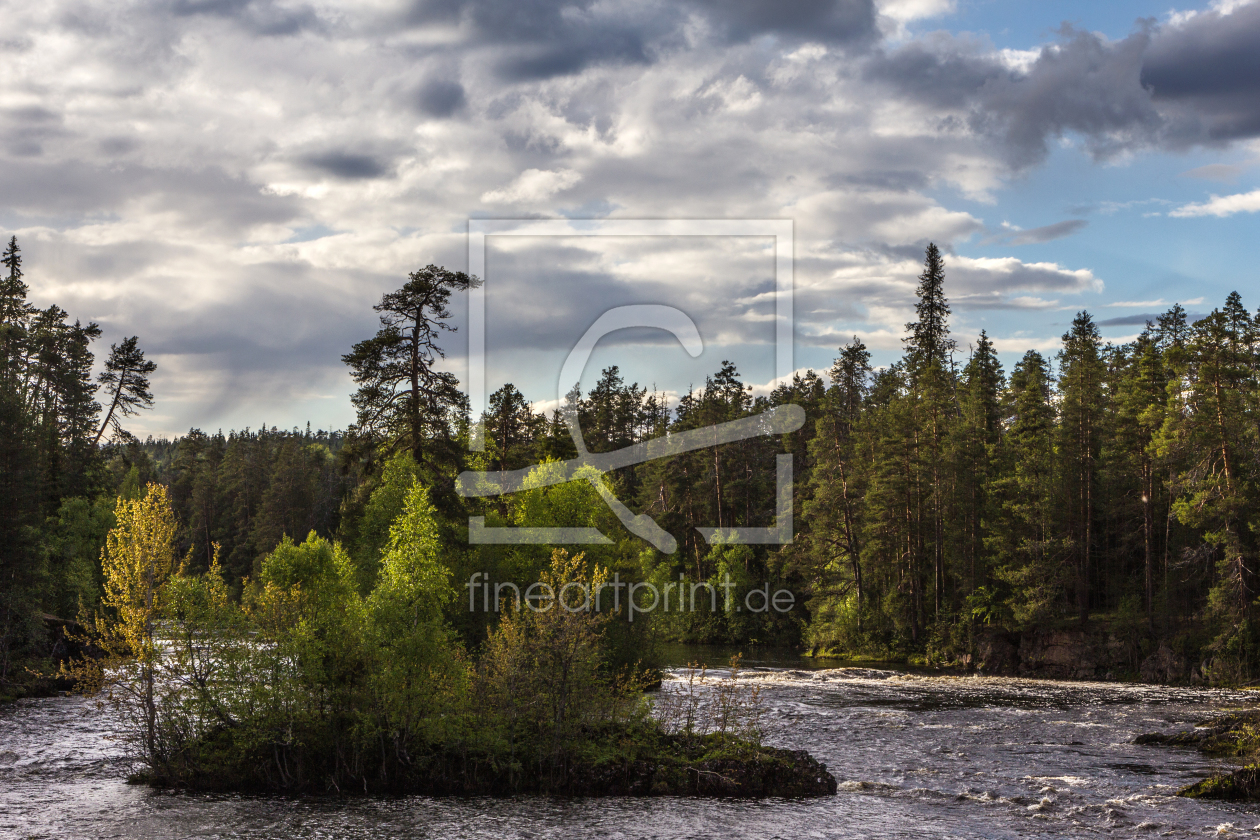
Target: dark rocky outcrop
column 41, row 676
column 997, row 652
column 1232, row 734
column 1072, row 654
column 1089, row 653
column 1163, row 666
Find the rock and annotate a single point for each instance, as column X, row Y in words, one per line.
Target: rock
column 1058, row 654
column 1163, row 666
column 1242, row 785
column 997, row 652
column 1074, row 654
column 1235, row 734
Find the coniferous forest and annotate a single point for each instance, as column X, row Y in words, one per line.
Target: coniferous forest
column 938, row 501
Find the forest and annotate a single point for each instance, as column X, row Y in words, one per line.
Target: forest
column 935, row 499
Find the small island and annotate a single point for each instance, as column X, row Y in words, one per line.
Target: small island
column 303, row 685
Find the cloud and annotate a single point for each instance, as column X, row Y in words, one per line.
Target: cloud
column 817, row 20
column 441, row 98
column 1193, row 81
column 536, row 40
column 238, row 181
column 1143, row 319
column 1220, row 206
column 1223, row 172
column 1036, row 236
column 348, row 165
column 1080, row 83
column 1128, row 320
column 533, row 185
column 1207, row 72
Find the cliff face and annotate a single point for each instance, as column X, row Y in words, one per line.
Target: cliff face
column 1079, row 654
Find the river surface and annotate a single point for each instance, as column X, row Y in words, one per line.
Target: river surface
column 916, row 755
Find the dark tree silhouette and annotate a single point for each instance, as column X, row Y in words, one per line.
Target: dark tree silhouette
column 402, row 398
column 125, row 381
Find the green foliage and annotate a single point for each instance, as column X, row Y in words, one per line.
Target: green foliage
column 383, row 507
column 75, row 540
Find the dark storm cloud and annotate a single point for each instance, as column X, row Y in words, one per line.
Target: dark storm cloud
column 257, row 16
column 818, row 20
column 544, row 38
column 547, row 38
column 25, row 130
column 941, row 70
column 1208, row 72
column 1192, row 82
column 440, row 98
column 1080, row 84
column 349, row 165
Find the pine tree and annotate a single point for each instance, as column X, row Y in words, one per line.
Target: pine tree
column 1140, row 406
column 125, row 381
column 403, row 400
column 831, row 543
column 1025, row 540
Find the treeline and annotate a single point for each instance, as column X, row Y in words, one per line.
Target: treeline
column 1108, row 481
column 940, row 494
column 1103, row 483
column 246, row 490
column 60, row 429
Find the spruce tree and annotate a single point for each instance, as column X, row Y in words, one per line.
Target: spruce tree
column 929, row 341
column 1081, row 436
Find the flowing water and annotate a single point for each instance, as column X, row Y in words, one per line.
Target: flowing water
column 916, row 756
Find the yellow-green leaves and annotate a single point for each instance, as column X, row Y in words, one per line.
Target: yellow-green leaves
column 139, row 556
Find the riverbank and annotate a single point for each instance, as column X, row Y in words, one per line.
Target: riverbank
column 34, row 679
column 1101, row 649
column 40, row 675
column 1235, row 735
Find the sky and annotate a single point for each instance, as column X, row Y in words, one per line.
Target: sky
column 237, row 182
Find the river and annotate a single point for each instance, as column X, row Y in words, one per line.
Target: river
column 916, row 755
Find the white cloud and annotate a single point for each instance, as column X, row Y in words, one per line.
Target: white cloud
column 1220, row 206
column 533, row 185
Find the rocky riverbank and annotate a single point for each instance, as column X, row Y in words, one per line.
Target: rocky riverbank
column 40, row 676
column 1232, row 734
column 1089, row 653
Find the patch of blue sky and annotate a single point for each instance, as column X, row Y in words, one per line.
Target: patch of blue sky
column 1025, row 24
